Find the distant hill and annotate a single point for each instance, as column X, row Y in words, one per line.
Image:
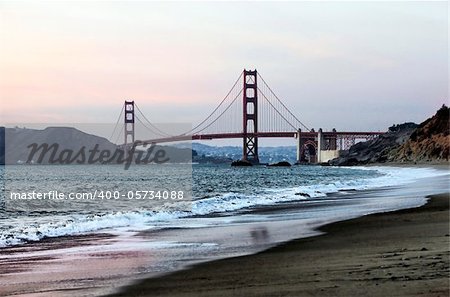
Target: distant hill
column 226, row 154
column 67, row 138
column 408, row 142
column 2, row 145
column 17, row 141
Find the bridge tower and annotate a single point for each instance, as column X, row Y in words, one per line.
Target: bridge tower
column 129, row 123
column 250, row 117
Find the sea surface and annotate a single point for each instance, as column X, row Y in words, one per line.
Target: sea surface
column 95, row 246
column 208, row 190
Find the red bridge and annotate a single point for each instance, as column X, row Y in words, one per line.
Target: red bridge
column 259, row 113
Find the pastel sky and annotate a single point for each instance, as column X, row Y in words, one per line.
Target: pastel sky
column 348, row 65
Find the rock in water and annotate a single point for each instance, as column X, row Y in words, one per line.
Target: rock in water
column 280, row 164
column 241, row 163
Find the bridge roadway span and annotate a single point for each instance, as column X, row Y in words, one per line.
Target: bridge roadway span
column 259, row 134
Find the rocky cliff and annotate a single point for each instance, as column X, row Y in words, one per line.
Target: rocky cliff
column 408, row 142
column 430, row 142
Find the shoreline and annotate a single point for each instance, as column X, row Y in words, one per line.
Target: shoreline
column 399, row 253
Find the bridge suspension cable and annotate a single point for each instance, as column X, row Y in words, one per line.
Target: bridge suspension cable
column 273, row 125
column 273, row 114
column 153, row 128
column 221, row 114
column 298, row 122
column 120, row 134
column 220, row 110
column 117, row 124
column 269, row 112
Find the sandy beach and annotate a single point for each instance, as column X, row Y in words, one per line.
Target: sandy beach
column 402, row 253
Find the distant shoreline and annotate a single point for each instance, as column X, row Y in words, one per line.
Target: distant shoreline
column 404, row 251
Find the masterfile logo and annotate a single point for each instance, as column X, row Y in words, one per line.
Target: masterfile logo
column 45, row 153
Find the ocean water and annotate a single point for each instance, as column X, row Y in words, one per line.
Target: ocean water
column 209, row 191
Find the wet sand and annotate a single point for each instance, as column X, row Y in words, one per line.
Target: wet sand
column 61, row 266
column 402, row 253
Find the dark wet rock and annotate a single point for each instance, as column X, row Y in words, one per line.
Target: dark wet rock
column 241, row 163
column 280, row 164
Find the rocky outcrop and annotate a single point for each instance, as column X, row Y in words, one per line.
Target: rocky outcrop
column 280, row 164
column 430, row 142
column 427, row 142
column 378, row 149
column 239, row 163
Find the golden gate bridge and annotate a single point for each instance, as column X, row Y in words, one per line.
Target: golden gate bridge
column 250, row 110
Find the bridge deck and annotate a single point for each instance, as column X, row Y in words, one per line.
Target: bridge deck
column 259, row 134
